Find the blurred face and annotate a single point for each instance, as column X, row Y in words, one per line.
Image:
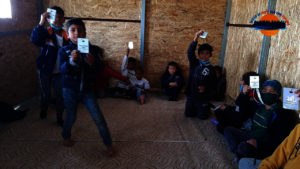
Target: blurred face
column 204, row 55
column 269, row 89
column 139, row 75
column 130, row 66
column 59, row 20
column 76, row 31
column 172, row 70
column 218, row 74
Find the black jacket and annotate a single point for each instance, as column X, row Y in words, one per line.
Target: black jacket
column 167, row 78
column 284, row 121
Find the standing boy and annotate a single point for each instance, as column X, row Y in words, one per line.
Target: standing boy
column 50, row 40
column 78, row 75
column 202, row 78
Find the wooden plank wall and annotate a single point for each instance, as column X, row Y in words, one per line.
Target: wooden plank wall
column 18, row 76
column 243, row 44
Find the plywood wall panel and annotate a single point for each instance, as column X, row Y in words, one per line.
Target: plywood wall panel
column 243, row 44
column 284, row 58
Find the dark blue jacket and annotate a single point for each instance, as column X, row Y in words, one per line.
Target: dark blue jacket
column 280, row 126
column 199, row 75
column 46, row 39
column 78, row 76
column 166, row 78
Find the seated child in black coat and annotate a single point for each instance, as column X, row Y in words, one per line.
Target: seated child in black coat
column 172, row 81
column 218, row 93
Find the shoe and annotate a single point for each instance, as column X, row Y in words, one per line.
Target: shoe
column 43, row 115
column 236, row 160
column 214, row 121
column 60, row 122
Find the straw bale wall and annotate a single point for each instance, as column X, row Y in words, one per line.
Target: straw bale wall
column 243, row 44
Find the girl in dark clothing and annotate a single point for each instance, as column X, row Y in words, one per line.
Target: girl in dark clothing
column 172, row 81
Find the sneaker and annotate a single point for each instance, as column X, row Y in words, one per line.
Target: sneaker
column 214, row 121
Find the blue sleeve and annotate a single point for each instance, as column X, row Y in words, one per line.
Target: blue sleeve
column 66, row 65
column 242, row 99
column 191, row 54
column 39, row 35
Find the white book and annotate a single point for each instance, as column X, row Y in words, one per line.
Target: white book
column 203, row 35
column 254, row 82
column 52, row 14
column 290, row 100
column 83, row 45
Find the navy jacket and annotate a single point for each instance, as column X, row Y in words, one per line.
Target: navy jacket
column 199, row 75
column 78, row 76
column 167, row 78
column 46, row 39
column 283, row 122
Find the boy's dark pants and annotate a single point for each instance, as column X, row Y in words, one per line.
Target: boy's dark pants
column 196, row 108
column 46, row 82
column 172, row 91
column 237, row 141
column 224, row 121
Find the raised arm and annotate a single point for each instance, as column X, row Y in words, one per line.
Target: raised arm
column 191, row 51
column 125, row 63
column 40, row 33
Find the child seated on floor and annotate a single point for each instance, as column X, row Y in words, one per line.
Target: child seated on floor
column 78, row 70
column 270, row 123
column 234, row 116
column 102, row 80
column 202, row 78
column 128, row 67
column 172, row 81
column 139, row 86
column 218, row 93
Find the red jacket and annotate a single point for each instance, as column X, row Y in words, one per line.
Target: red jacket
column 102, row 79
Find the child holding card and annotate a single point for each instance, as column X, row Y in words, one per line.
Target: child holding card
column 271, row 124
column 78, row 71
column 172, row 81
column 128, row 67
column 139, row 86
column 50, row 39
column 202, row 78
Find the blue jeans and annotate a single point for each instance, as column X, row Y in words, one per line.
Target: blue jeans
column 138, row 94
column 249, row 163
column 45, row 86
column 72, row 99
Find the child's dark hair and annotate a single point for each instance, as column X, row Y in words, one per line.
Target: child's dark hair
column 58, row 10
column 205, row 46
column 75, row 21
column 246, row 77
column 173, row 64
column 218, row 68
column 139, row 69
column 131, row 59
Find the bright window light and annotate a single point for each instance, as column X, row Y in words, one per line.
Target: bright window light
column 5, row 9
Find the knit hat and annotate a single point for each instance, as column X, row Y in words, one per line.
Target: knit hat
column 275, row 84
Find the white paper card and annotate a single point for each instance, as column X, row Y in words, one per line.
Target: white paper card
column 290, row 100
column 254, row 82
column 203, row 35
column 83, row 45
column 52, row 14
column 130, row 45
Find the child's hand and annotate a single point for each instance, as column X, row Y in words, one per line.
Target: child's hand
column 44, row 19
column 201, row 89
column 298, row 93
column 252, row 142
column 246, row 89
column 90, row 59
column 127, row 51
column 223, row 107
column 75, row 55
column 173, row 84
column 197, row 35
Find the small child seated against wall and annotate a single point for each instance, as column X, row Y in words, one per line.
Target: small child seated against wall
column 218, row 92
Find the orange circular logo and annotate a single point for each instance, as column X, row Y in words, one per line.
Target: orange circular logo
column 270, row 18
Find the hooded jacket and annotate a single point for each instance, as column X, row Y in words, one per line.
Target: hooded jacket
column 167, row 78
column 200, row 75
column 46, row 39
